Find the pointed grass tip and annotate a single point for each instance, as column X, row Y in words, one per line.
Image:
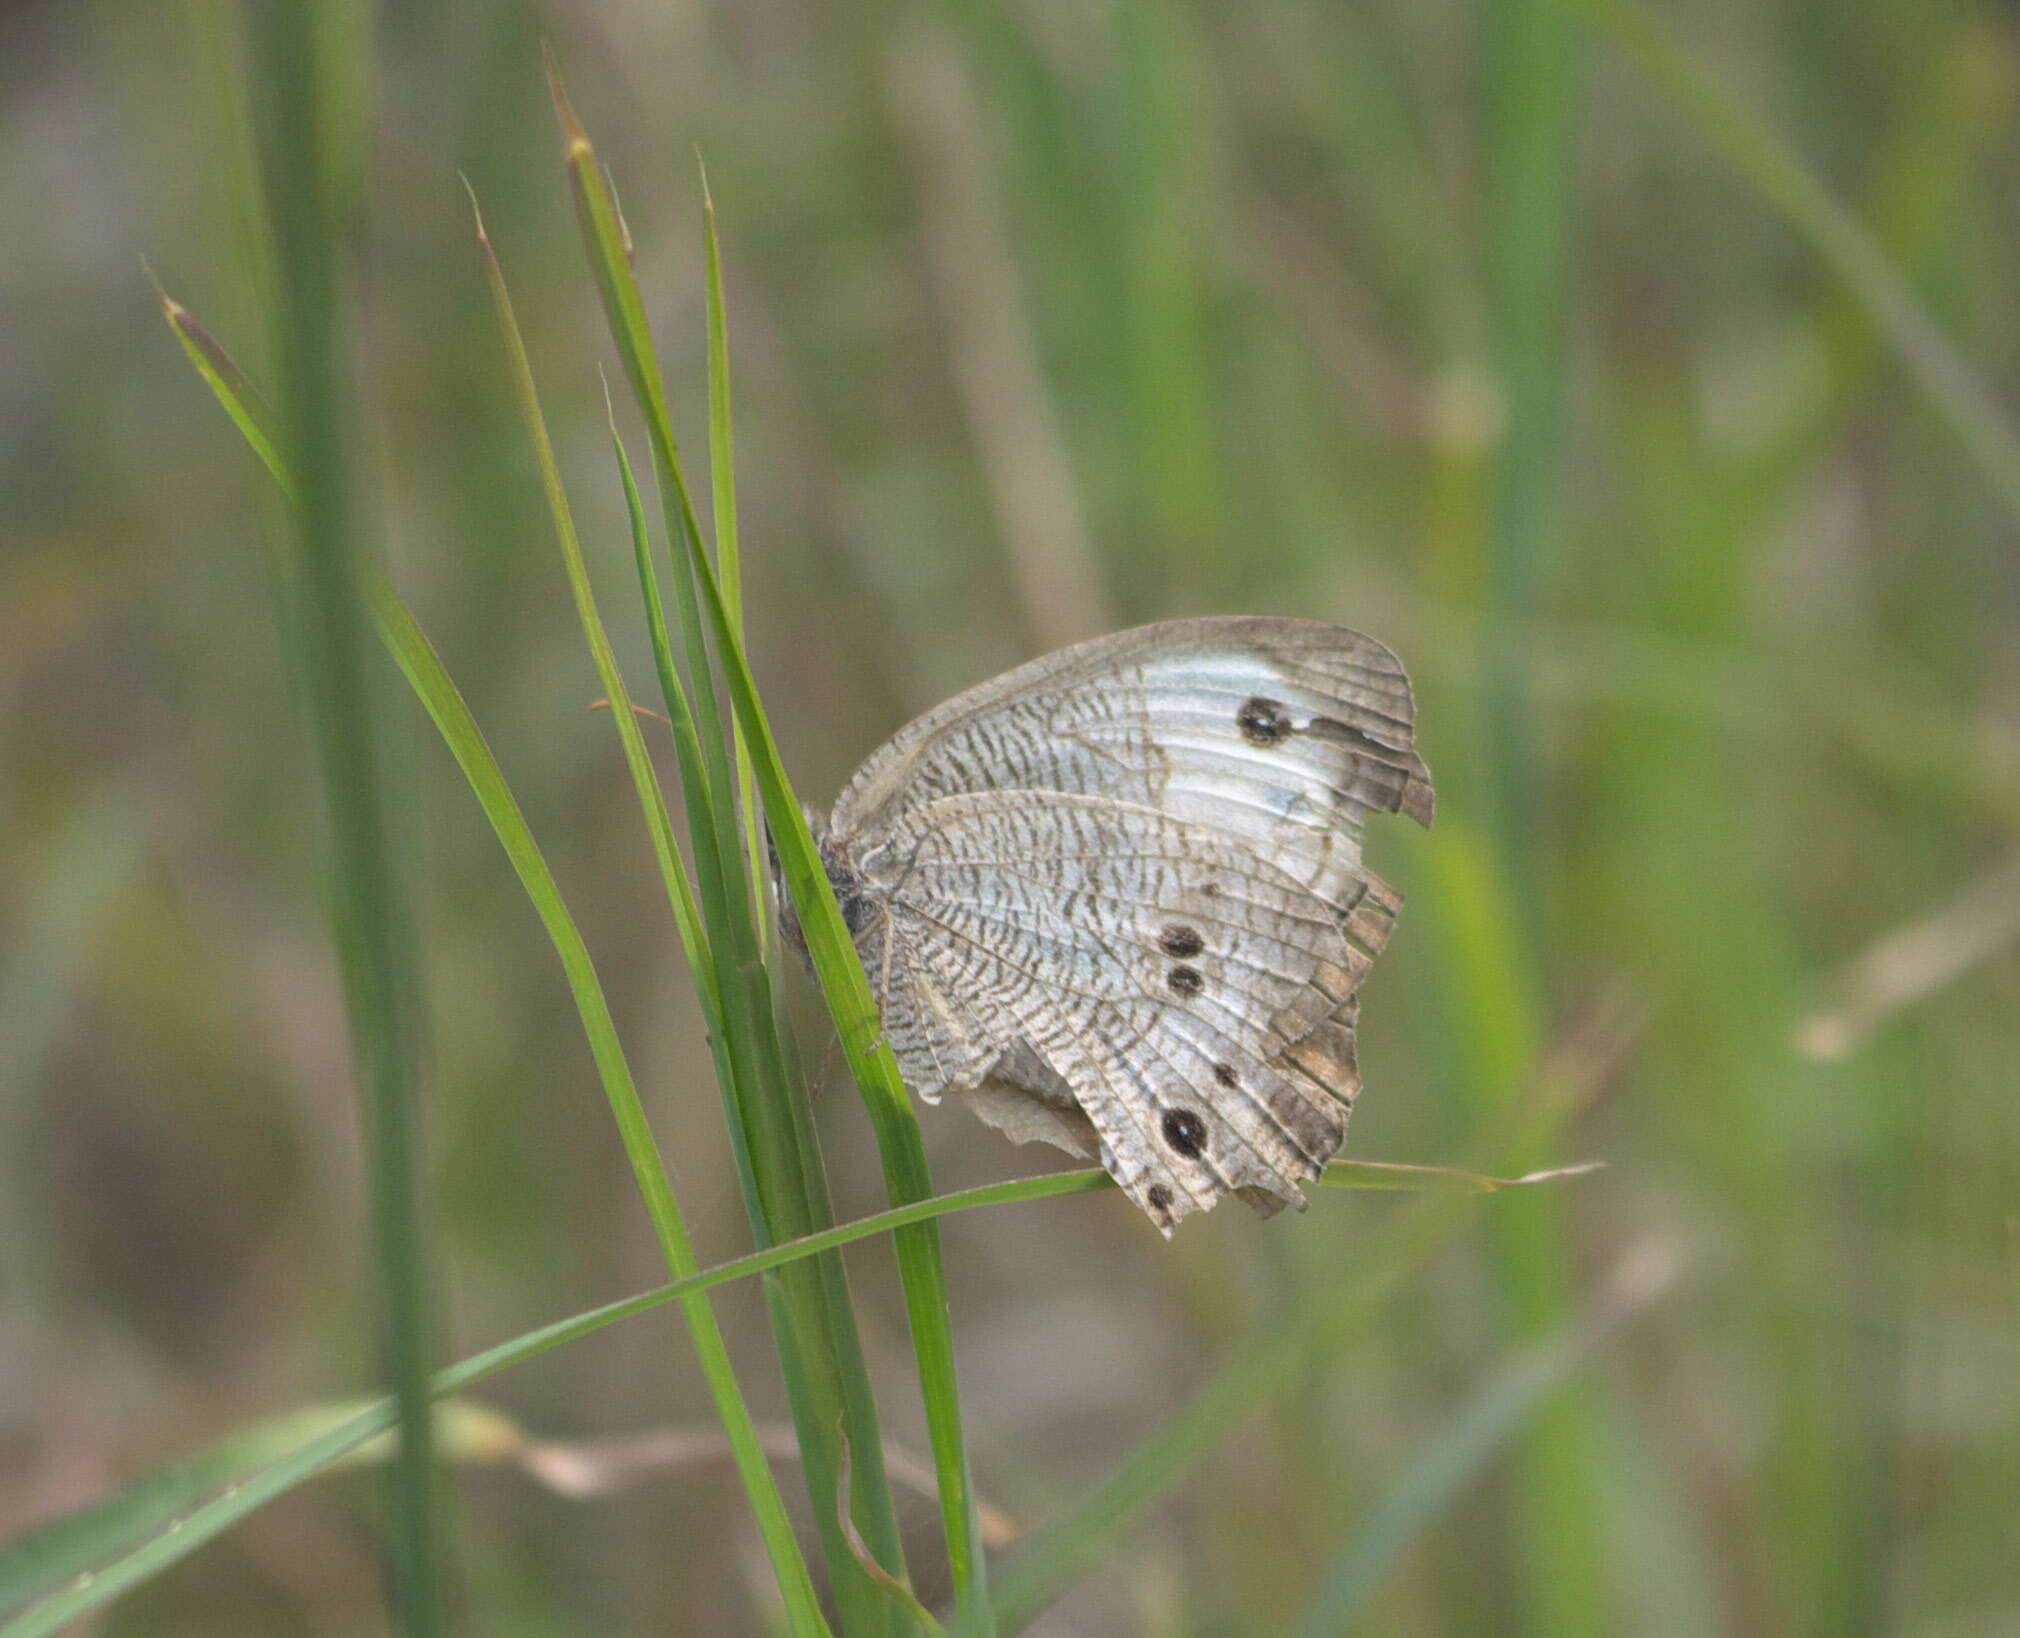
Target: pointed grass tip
column 171, row 309
column 476, row 215
column 707, row 197
column 575, row 143
column 185, row 323
column 1556, row 1174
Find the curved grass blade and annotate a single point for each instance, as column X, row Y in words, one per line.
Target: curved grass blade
column 820, row 1352
column 159, row 1520
column 818, row 1375
column 834, row 957
column 846, row 989
column 240, row 399
column 728, row 552
column 459, row 730
column 900, row 1591
column 819, row 1348
column 687, row 752
column 88, row 1545
column 679, row 890
column 444, row 703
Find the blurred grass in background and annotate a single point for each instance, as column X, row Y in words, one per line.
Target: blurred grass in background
column 1447, row 322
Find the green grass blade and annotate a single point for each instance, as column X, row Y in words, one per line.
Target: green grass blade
column 680, row 892
column 815, row 1302
column 112, row 1563
column 253, row 418
column 673, row 872
column 687, row 751
column 835, row 961
column 459, row 730
column 846, row 989
column 1532, row 72
column 1499, row 1046
column 445, row 705
column 93, row 1541
column 610, row 263
column 1837, row 237
column 87, row 1559
column 820, row 1352
column 729, row 555
column 161, row 1519
column 310, row 147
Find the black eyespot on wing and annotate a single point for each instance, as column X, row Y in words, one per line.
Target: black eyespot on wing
column 1185, row 1132
column 1159, row 1196
column 1262, row 721
column 1185, row 980
column 1180, row 942
column 1224, row 1073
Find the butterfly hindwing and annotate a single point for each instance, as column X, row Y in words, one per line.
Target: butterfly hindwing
column 1191, row 1000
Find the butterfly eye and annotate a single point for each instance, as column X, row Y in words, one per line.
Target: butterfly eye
column 1262, row 721
column 1180, row 942
column 1185, row 1132
column 1185, row 980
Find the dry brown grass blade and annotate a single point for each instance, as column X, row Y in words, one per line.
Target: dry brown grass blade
column 992, row 348
column 1913, row 962
column 597, row 1467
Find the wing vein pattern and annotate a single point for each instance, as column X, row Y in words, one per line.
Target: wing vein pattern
column 1114, row 899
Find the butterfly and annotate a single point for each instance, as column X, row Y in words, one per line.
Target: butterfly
column 1114, row 898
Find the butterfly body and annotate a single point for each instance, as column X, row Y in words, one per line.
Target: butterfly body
column 1114, row 898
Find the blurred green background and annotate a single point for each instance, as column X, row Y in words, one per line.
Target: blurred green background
column 1446, row 321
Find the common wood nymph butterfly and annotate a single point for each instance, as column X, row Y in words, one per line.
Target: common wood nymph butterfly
column 1114, row 898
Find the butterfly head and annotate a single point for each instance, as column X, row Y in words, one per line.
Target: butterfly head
column 843, row 876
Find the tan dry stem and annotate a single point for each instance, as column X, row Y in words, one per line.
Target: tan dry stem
column 1914, row 962
column 993, row 349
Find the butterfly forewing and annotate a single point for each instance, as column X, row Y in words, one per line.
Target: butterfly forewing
column 1186, row 703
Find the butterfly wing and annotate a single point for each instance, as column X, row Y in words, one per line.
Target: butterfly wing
column 1130, row 983
column 1261, row 726
column 1031, row 843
